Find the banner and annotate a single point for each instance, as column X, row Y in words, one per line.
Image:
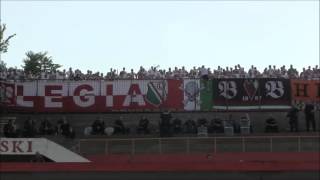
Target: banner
column 156, row 95
column 191, row 90
column 305, row 90
column 96, row 96
column 206, row 95
column 251, row 94
column 7, row 96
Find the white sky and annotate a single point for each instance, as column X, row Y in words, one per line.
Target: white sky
column 104, row 34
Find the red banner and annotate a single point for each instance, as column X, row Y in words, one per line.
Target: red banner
column 94, row 96
column 305, row 90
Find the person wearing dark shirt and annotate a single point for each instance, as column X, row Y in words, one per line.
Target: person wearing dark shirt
column 177, row 126
column 98, row 127
column 10, row 129
column 46, row 127
column 271, row 125
column 29, row 128
column 65, row 128
column 309, row 116
column 119, row 126
column 190, row 127
column 165, row 124
column 293, row 119
column 216, row 126
column 143, row 126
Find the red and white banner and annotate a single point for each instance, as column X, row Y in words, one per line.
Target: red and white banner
column 93, row 96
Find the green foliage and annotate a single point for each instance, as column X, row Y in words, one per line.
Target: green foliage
column 35, row 63
column 2, row 65
column 4, row 42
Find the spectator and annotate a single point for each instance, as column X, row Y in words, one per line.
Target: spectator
column 123, row 73
column 177, row 126
column 98, row 127
column 29, row 128
column 153, row 73
column 71, row 134
column 204, row 76
column 65, row 128
column 293, row 119
column 216, row 126
column 202, row 121
column 143, row 126
column 309, row 116
column 271, row 125
column 58, row 129
column 46, row 127
column 190, row 127
column 119, row 126
column 165, row 124
column 10, row 129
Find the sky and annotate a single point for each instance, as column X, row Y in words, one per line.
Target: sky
column 99, row 35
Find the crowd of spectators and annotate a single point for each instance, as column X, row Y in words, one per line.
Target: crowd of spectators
column 168, row 125
column 31, row 128
column 157, row 73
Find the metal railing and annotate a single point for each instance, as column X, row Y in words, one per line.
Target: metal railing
column 200, row 145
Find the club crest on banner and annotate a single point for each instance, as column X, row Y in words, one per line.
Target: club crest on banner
column 157, row 92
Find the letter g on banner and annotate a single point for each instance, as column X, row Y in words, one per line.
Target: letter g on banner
column 227, row 89
column 275, row 89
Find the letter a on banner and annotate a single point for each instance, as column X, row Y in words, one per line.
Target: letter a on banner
column 134, row 96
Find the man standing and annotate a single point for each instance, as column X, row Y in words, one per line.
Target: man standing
column 309, row 115
column 165, row 124
column 293, row 119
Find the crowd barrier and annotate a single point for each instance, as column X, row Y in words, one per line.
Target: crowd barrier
column 156, row 95
column 191, row 145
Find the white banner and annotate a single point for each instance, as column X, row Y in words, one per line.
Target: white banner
column 191, row 90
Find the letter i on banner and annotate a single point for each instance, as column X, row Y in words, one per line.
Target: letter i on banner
column 109, row 95
column 191, row 89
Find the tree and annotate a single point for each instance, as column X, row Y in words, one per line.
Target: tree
column 4, row 43
column 2, row 66
column 35, row 63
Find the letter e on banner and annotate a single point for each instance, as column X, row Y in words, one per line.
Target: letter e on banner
column 53, row 96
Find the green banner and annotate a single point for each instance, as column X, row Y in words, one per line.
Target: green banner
column 206, row 95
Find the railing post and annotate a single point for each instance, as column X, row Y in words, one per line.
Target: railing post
column 299, row 144
column 106, row 150
column 188, row 145
column 160, row 146
column 133, row 147
column 79, row 147
column 243, row 145
column 271, row 144
column 215, row 145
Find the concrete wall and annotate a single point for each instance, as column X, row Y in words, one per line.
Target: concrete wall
column 79, row 121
